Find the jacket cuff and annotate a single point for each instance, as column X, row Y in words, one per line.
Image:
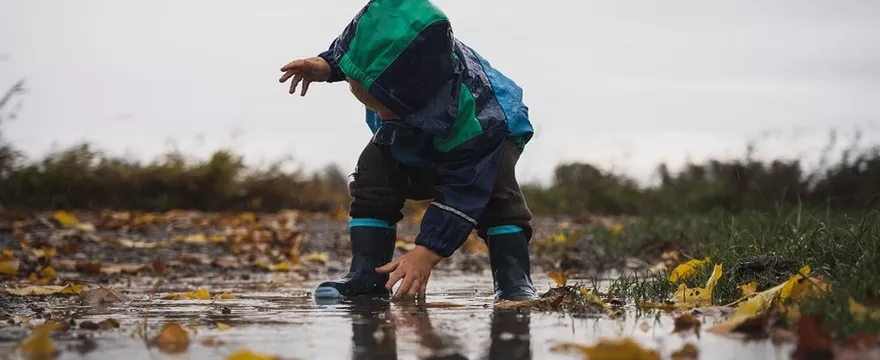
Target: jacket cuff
column 336, row 73
column 443, row 231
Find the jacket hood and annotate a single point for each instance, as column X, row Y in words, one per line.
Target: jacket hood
column 400, row 50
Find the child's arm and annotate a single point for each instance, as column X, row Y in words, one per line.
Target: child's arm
column 332, row 59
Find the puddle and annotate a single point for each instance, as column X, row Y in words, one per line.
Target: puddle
column 284, row 320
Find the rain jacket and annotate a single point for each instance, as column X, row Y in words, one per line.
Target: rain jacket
column 455, row 109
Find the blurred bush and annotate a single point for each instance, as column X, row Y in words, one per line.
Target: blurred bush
column 82, row 177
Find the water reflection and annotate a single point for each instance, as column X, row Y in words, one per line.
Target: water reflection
column 510, row 335
column 376, row 323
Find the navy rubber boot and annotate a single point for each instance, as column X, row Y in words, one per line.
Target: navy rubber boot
column 372, row 245
column 511, row 268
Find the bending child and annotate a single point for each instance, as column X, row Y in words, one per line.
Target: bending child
column 447, row 127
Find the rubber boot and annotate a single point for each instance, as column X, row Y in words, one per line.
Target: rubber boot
column 371, row 246
column 509, row 258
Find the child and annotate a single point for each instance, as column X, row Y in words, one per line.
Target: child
column 447, row 127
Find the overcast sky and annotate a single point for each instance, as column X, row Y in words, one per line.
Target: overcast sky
column 628, row 83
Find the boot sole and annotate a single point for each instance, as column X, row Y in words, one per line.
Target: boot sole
column 328, row 293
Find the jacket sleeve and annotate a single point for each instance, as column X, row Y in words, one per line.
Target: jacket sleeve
column 331, row 56
column 463, row 188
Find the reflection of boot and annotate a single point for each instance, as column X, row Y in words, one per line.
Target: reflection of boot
column 511, row 269
column 505, row 346
column 372, row 338
column 372, row 245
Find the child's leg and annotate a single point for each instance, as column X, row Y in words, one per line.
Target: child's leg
column 377, row 193
column 505, row 225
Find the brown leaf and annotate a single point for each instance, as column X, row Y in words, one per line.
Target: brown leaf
column 8, row 268
column 89, row 267
column 610, row 350
column 172, row 339
column 39, row 346
column 687, row 352
column 687, row 323
column 211, row 341
column 159, row 266
column 812, row 343
column 100, row 296
column 111, row 269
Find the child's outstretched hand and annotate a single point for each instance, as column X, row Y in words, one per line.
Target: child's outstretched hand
column 305, row 71
column 414, row 268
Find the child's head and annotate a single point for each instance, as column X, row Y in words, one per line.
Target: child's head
column 363, row 95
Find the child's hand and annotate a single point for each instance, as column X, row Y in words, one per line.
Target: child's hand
column 414, row 268
column 305, row 71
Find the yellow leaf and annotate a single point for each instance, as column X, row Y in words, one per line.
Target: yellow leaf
column 610, row 350
column 748, row 289
column 686, row 270
column 111, row 269
column 317, row 257
column 39, row 345
column 172, row 339
column 65, row 218
column 40, row 253
column 217, row 238
column 6, row 254
column 559, row 238
column 279, row 267
column 224, row 296
column 247, row 354
column 698, row 297
column 141, row 244
column 69, row 289
column 785, row 292
column 199, row 238
column 200, row 294
column 561, row 278
column 48, row 273
column 616, row 229
column 9, row 268
column 860, row 312
column 223, row 327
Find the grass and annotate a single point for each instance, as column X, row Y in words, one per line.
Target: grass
column 758, row 247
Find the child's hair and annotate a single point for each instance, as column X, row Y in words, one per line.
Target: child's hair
column 363, row 95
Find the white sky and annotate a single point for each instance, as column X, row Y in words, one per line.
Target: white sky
column 623, row 83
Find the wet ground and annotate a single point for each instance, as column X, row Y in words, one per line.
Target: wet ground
column 276, row 317
column 271, row 310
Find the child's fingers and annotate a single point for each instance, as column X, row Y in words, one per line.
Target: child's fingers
column 405, row 287
column 393, row 279
column 414, row 290
column 295, row 82
column 293, row 65
column 423, row 290
column 305, row 87
column 387, row 268
column 286, row 76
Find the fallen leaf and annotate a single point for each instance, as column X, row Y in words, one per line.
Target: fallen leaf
column 645, row 326
column 247, row 354
column 112, row 269
column 610, row 350
column 141, row 244
column 748, row 289
column 90, row 267
column 812, row 343
column 688, row 269
column 561, row 278
column 69, row 289
column 698, row 297
column 224, row 296
column 616, row 229
column 6, row 254
column 39, row 346
column 282, row 267
column 211, row 341
column 66, row 219
column 317, row 257
column 403, row 245
column 199, row 238
column 172, row 339
column 686, row 323
column 100, row 296
column 860, row 312
column 9, row 267
column 223, row 327
column 107, row 324
column 200, row 294
column 687, row 352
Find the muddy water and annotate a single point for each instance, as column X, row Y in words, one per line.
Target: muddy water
column 276, row 317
